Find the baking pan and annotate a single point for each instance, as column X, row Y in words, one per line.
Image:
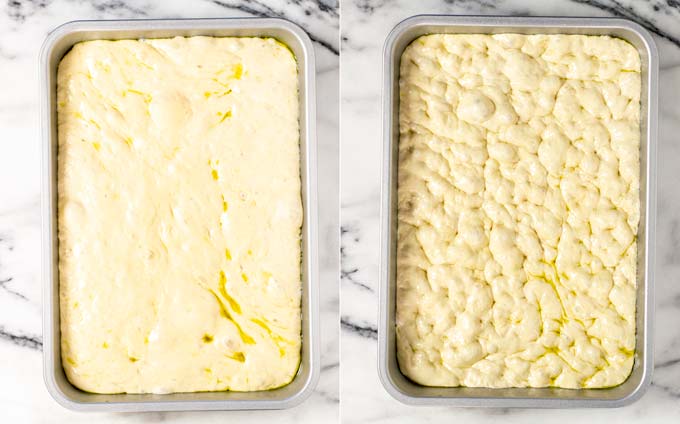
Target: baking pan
column 394, row 381
column 54, row 48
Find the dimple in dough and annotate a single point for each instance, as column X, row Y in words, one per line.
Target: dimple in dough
column 179, row 215
column 518, row 209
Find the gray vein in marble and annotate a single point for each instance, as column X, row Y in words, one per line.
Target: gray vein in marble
column 369, row 6
column 330, row 366
column 4, row 282
column 330, row 6
column 495, row 412
column 344, row 229
column 668, row 67
column 259, row 9
column 31, row 342
column 4, row 287
column 3, row 240
column 327, row 396
column 107, row 6
column 481, row 4
column 671, row 391
column 663, row 6
column 366, row 331
column 348, row 275
column 673, row 255
column 620, row 10
column 666, row 364
column 20, row 10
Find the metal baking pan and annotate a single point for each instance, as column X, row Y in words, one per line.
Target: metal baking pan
column 57, row 44
column 394, row 381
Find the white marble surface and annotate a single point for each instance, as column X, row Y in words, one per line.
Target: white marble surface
column 23, row 26
column 365, row 24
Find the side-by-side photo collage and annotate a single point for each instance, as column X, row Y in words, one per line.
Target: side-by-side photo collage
column 339, row 211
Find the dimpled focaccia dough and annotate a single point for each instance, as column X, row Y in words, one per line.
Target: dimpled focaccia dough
column 179, row 215
column 518, row 210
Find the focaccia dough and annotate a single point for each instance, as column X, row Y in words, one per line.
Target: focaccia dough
column 518, row 210
column 179, row 215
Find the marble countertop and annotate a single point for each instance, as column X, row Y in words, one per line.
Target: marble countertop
column 365, row 24
column 23, row 27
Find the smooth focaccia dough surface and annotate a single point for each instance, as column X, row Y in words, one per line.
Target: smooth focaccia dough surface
column 518, row 209
column 179, row 215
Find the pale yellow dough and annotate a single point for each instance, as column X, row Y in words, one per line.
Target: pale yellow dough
column 518, row 210
column 179, row 215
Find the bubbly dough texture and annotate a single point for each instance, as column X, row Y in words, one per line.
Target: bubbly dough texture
column 179, row 215
column 518, row 210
